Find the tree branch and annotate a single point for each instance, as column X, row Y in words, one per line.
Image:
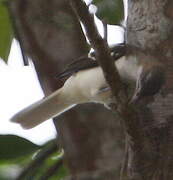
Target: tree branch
column 100, row 46
column 44, row 154
column 127, row 112
column 52, row 170
column 133, row 128
column 105, row 28
column 111, row 74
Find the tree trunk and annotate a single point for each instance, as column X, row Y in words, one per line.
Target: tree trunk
column 149, row 36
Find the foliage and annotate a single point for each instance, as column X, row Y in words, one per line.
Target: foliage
column 110, row 11
column 13, row 147
column 18, row 155
column 6, row 34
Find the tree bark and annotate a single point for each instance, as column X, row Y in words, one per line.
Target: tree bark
column 149, row 36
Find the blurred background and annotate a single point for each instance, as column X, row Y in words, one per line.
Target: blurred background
column 20, row 88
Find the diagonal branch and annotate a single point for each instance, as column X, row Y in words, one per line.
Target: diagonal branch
column 100, row 46
column 52, row 170
column 44, row 154
column 128, row 114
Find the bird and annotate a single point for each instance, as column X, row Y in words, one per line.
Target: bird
column 86, row 83
column 150, row 80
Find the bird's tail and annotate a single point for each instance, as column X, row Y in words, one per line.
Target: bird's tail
column 44, row 109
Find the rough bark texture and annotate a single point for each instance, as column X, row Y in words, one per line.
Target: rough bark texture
column 149, row 30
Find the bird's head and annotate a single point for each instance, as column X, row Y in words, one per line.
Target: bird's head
column 151, row 77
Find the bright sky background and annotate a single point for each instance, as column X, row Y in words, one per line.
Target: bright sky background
column 20, row 87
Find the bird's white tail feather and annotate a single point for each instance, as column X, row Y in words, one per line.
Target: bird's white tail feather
column 42, row 110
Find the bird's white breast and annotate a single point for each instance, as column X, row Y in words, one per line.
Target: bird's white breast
column 86, row 84
column 128, row 68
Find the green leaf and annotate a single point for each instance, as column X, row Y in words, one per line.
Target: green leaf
column 13, row 147
column 61, row 173
column 110, row 11
column 6, row 34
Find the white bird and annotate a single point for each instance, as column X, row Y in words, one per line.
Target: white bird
column 89, row 85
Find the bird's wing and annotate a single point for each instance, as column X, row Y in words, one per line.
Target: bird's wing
column 85, row 62
column 78, row 65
